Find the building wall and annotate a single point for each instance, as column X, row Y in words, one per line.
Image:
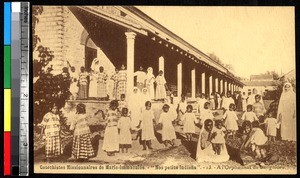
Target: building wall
column 60, row 30
column 260, row 89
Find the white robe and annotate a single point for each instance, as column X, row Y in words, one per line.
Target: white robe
column 287, row 115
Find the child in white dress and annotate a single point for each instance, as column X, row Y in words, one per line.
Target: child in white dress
column 218, row 136
column 111, row 136
column 271, row 127
column 146, row 125
column 231, row 118
column 206, row 113
column 168, row 130
column 249, row 115
column 189, row 120
column 124, row 126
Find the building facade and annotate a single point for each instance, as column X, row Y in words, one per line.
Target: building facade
column 119, row 35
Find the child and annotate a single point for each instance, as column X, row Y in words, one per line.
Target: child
column 271, row 124
column 82, row 146
column 83, row 82
column 73, row 86
column 101, row 84
column 246, row 129
column 258, row 107
column 124, row 126
column 161, row 86
column 206, row 113
column 111, row 137
column 218, row 136
column 122, row 103
column 189, row 120
column 256, row 141
column 168, row 130
column 51, row 128
column 249, row 115
column 231, row 118
column 181, row 109
column 146, row 124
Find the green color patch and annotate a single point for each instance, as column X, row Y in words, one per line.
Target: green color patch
column 7, row 67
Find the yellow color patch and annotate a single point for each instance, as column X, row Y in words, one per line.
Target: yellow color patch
column 7, row 110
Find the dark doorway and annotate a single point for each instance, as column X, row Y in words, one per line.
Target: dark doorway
column 90, row 55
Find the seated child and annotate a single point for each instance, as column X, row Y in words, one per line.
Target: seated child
column 218, row 136
column 270, row 126
column 256, row 141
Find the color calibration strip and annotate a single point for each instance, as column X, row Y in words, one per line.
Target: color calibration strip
column 7, row 88
column 16, row 88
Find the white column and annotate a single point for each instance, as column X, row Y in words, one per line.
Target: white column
column 179, row 79
column 225, row 87
column 216, row 85
column 161, row 63
column 203, row 82
column 221, row 86
column 231, row 88
column 193, row 77
column 210, row 81
column 130, row 36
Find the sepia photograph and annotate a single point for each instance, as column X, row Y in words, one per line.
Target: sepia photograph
column 164, row 89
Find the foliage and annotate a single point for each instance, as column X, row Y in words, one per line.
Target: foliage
column 48, row 89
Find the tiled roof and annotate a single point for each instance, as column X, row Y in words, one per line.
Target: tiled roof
column 259, row 83
column 261, row 77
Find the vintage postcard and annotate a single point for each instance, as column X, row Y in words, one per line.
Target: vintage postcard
column 164, row 90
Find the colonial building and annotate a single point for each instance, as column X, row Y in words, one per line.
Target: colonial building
column 119, row 35
column 262, row 83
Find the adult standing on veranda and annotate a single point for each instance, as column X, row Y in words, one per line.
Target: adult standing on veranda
column 150, row 82
column 122, row 80
column 140, row 78
column 286, row 114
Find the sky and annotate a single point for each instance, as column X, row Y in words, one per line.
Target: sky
column 252, row 39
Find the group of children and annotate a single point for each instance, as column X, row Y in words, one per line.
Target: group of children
column 118, row 130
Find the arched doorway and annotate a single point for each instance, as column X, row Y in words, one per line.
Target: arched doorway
column 90, row 49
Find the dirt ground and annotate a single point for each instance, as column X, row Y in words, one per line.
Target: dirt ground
column 282, row 154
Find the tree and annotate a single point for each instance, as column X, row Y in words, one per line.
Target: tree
column 48, row 89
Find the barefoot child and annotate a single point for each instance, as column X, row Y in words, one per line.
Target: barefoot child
column 82, row 148
column 271, row 124
column 168, row 130
column 218, row 136
column 124, row 126
column 146, row 124
column 111, row 136
column 51, row 129
column 189, row 120
column 231, row 118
